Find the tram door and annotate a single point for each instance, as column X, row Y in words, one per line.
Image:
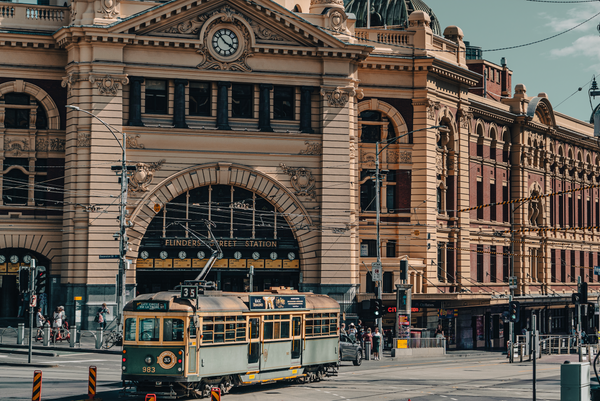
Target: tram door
column 297, row 340
column 193, row 346
column 254, row 350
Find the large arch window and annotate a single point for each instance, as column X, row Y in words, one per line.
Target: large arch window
column 21, row 111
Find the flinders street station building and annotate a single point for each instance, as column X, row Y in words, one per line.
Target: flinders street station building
column 263, row 117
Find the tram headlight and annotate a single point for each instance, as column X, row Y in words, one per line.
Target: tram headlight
column 148, row 360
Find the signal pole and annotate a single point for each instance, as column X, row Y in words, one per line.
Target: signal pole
column 32, row 277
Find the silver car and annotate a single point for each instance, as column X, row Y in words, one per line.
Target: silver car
column 350, row 350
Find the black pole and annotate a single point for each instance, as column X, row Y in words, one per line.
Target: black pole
column 534, row 348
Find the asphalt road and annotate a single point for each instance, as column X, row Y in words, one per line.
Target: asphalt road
column 448, row 379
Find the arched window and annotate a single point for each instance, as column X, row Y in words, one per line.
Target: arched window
column 15, row 187
column 21, row 111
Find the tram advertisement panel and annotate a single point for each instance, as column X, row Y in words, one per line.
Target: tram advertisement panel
column 277, row 302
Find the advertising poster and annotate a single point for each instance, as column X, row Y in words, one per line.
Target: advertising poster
column 276, row 302
column 404, row 327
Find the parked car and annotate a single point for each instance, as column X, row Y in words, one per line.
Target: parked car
column 350, row 350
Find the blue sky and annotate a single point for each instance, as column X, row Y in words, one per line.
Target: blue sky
column 557, row 67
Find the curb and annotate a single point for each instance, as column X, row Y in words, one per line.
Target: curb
column 15, row 348
column 25, row 352
column 29, row 365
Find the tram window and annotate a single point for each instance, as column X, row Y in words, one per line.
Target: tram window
column 254, row 328
column 297, row 325
column 172, row 330
column 285, row 330
column 192, row 328
column 268, row 331
column 230, row 332
column 130, row 329
column 240, row 334
column 295, row 349
column 219, row 333
column 254, row 354
column 208, row 330
column 149, row 329
column 320, row 324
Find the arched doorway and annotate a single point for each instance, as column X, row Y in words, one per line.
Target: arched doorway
column 249, row 228
column 11, row 259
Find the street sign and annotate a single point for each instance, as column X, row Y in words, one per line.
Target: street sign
column 376, row 272
column 597, row 270
column 109, row 256
column 512, row 282
column 156, row 207
column 189, row 292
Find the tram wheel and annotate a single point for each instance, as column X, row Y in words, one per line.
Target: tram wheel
column 206, row 391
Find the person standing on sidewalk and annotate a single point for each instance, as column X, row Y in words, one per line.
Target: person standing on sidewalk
column 376, row 343
column 367, row 339
column 40, row 320
column 352, row 331
column 101, row 316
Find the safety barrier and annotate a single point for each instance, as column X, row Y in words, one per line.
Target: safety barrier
column 7, row 329
column 92, row 383
column 36, row 391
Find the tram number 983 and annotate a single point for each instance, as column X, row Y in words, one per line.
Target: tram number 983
column 148, row 369
column 189, row 292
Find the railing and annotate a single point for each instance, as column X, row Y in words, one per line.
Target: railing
column 377, row 36
column 33, row 17
column 425, row 343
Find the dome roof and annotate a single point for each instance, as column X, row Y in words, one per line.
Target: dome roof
column 390, row 12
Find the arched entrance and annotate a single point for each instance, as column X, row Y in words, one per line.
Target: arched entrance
column 249, row 228
column 11, row 259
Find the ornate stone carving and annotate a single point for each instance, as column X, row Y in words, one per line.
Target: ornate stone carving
column 438, row 163
column 132, row 142
column 432, row 107
column 450, row 162
column 405, row 157
column 392, row 156
column 108, row 85
column 337, row 97
column 367, row 157
column 109, row 8
column 84, row 140
column 338, row 2
column 264, row 33
column 57, row 144
column 312, row 148
column 301, row 180
column 337, row 20
column 144, row 173
column 67, row 81
column 41, row 145
column 208, row 62
column 187, row 27
column 17, row 146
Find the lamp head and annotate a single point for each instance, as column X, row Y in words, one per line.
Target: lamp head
column 70, row 106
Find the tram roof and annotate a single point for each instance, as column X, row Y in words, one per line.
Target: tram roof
column 218, row 301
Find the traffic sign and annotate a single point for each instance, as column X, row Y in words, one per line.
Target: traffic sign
column 512, row 282
column 376, row 272
column 109, row 256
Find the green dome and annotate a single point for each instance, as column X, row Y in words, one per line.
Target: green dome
column 390, row 12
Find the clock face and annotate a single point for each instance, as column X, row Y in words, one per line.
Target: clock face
column 201, row 255
column 163, row 255
column 220, row 255
column 182, row 255
column 237, row 255
column 291, row 256
column 14, row 259
column 255, row 255
column 26, row 259
column 225, row 42
column 273, row 255
column 144, row 255
column 2, row 259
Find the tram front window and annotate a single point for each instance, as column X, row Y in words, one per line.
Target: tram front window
column 149, row 329
column 172, row 330
column 130, row 329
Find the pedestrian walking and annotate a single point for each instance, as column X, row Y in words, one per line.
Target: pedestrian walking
column 368, row 340
column 376, row 343
column 343, row 329
column 100, row 316
column 57, row 322
column 439, row 335
column 352, row 331
column 40, row 320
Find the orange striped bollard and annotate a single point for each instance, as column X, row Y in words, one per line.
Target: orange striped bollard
column 92, row 383
column 36, row 393
column 215, row 394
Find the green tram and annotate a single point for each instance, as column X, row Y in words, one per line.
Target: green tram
column 175, row 347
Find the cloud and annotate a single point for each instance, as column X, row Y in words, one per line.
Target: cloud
column 573, row 17
column 588, row 46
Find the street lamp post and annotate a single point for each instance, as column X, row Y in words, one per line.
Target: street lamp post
column 378, row 212
column 123, row 240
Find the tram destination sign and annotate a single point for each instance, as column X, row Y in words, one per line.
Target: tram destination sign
column 277, row 302
column 149, row 306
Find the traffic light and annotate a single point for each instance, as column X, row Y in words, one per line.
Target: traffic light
column 377, row 308
column 576, row 298
column 404, row 270
column 591, row 310
column 40, row 280
column 23, row 279
column 583, row 292
column 514, row 311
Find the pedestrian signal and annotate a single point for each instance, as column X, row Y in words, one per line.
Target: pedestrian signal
column 40, row 280
column 576, row 298
column 514, row 311
column 24, row 279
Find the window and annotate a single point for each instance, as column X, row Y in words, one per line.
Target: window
column 480, row 263
column 493, row 200
column 254, row 329
column 149, row 329
column 505, row 263
column 388, row 282
column 242, row 101
column 276, row 327
column 192, row 328
column 367, row 192
column 17, row 117
column 130, row 325
column 172, row 330
column 493, row 261
column 480, row 200
column 321, row 324
column 573, row 267
column 221, row 329
column 561, row 210
column 368, row 248
column 390, row 249
column 440, row 261
column 15, row 188
column 156, row 97
column 553, row 265
column 200, row 99
column 283, row 103
column 390, row 192
column 506, row 206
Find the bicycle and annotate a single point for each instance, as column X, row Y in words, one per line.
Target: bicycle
column 111, row 339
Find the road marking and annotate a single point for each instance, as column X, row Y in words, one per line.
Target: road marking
column 85, row 361
column 443, row 396
column 454, row 399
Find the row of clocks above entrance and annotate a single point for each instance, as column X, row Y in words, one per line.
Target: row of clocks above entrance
column 202, row 255
column 14, row 259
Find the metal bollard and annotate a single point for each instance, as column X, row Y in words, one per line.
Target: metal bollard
column 99, row 338
column 73, row 341
column 20, row 333
column 368, row 350
column 36, row 393
column 92, row 383
column 46, row 335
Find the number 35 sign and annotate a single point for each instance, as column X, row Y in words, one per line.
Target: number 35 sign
column 189, row 292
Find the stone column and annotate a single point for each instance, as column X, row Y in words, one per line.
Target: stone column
column 264, row 108
column 179, row 104
column 223, row 105
column 135, row 101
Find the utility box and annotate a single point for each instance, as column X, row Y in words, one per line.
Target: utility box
column 575, row 381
